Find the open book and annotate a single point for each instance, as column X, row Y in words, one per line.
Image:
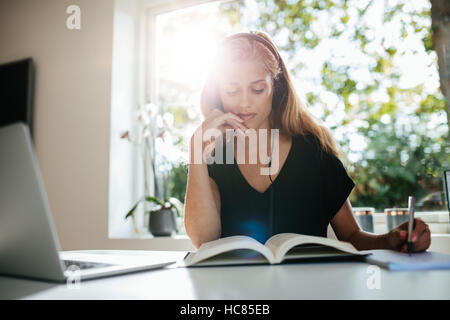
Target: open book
column 277, row 249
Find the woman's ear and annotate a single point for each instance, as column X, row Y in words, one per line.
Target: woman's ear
column 210, row 98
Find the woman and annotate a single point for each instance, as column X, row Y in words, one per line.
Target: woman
column 250, row 88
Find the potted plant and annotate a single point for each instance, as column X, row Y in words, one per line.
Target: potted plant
column 162, row 218
column 155, row 132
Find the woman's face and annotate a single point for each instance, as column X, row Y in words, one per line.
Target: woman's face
column 246, row 90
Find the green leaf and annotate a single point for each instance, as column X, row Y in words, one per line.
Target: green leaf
column 153, row 200
column 345, row 19
column 178, row 205
column 130, row 213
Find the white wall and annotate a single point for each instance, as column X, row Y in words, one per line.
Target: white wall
column 72, row 111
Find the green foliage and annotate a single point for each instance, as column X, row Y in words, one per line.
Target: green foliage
column 178, row 182
column 431, row 104
column 428, row 42
column 396, row 164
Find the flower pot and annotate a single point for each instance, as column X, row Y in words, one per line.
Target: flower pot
column 162, row 222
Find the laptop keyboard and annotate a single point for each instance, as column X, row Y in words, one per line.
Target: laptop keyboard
column 85, row 264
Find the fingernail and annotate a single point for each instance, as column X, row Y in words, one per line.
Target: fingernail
column 248, row 131
column 402, row 233
column 414, row 238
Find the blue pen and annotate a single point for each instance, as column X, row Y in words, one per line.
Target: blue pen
column 410, row 223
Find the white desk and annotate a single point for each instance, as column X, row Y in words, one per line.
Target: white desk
column 331, row 280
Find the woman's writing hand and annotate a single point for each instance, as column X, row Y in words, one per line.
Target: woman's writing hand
column 421, row 238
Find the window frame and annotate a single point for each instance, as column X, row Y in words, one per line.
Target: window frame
column 149, row 76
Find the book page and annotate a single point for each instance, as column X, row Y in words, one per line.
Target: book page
column 222, row 245
column 281, row 243
column 308, row 251
column 234, row 257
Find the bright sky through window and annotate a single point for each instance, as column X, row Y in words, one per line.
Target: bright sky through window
column 186, row 43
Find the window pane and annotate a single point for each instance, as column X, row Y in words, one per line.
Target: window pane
column 365, row 68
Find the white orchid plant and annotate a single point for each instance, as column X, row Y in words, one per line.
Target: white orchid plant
column 154, row 133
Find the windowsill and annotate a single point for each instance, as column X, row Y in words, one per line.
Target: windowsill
column 149, row 236
column 438, row 221
column 430, row 216
column 147, row 241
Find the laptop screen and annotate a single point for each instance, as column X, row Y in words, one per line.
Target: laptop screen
column 16, row 93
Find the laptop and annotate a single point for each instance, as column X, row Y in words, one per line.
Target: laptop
column 29, row 246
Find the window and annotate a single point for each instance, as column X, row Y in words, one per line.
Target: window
column 365, row 68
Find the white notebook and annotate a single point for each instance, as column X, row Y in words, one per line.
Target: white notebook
column 394, row 260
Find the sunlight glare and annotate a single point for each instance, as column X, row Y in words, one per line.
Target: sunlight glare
column 192, row 50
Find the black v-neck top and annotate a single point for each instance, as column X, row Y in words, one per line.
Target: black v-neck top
column 309, row 190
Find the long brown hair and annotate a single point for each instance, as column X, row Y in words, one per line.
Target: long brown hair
column 288, row 113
